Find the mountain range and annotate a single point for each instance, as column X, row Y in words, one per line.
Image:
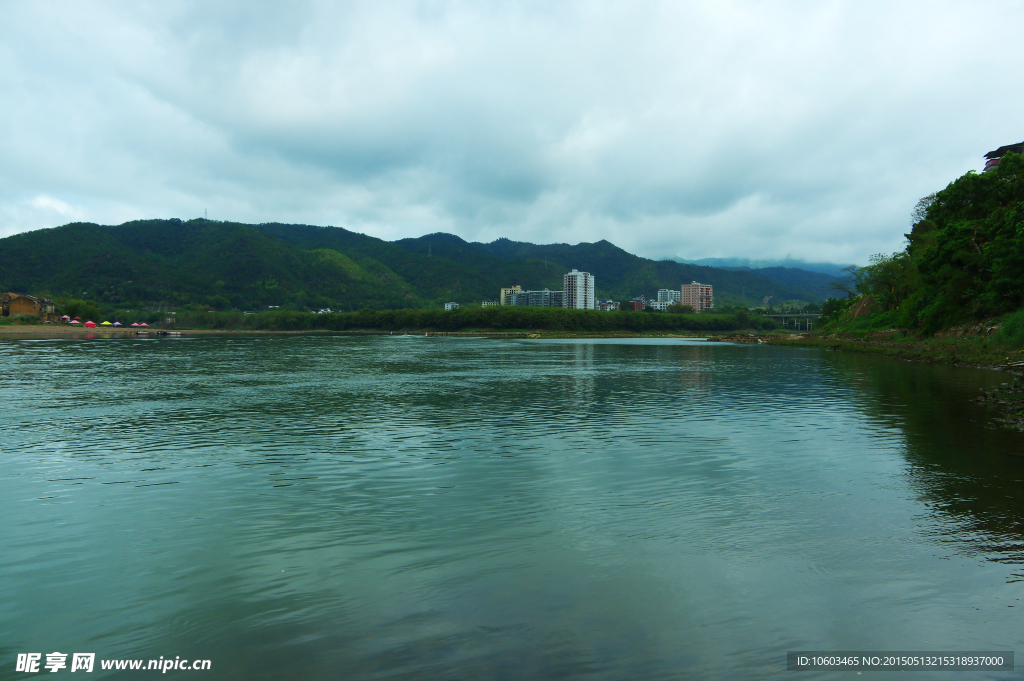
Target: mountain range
column 227, row 265
column 830, row 268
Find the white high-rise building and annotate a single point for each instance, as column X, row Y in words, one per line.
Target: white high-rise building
column 579, row 290
column 669, row 295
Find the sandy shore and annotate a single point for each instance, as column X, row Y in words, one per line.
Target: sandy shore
column 71, row 331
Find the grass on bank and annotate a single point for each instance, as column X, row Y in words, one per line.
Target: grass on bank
column 878, row 333
column 973, row 351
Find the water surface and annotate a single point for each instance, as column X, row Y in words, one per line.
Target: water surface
column 324, row 507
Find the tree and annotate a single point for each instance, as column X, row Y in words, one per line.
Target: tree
column 887, row 278
column 833, row 308
column 851, row 283
column 920, row 212
column 85, row 309
column 679, row 308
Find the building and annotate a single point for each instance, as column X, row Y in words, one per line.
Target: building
column 505, row 296
column 489, row 303
column 607, row 305
column 995, row 156
column 637, row 304
column 669, row 295
column 579, row 290
column 698, row 296
column 15, row 305
column 451, row 306
column 661, row 305
column 545, row 298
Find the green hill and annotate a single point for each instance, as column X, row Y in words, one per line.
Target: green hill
column 224, row 265
column 620, row 275
column 963, row 263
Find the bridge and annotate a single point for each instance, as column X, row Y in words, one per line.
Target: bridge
column 798, row 322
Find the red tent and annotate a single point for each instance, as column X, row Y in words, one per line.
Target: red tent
column 90, row 324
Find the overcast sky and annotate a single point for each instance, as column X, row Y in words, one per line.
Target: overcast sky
column 715, row 129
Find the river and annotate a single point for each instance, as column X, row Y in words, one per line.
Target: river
column 389, row 507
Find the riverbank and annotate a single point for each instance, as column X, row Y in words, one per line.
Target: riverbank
column 981, row 352
column 34, row 330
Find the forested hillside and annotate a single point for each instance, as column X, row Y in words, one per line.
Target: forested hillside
column 620, row 275
column 964, row 258
column 225, row 265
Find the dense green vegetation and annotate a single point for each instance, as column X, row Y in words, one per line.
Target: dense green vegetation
column 161, row 265
column 964, row 260
column 490, row 318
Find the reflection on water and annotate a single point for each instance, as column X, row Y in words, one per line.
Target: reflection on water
column 389, row 507
column 958, row 458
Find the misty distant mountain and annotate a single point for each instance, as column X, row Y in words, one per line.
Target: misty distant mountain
column 829, row 268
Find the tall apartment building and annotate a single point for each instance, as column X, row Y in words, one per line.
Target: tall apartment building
column 505, row 297
column 669, row 295
column 579, row 290
column 697, row 296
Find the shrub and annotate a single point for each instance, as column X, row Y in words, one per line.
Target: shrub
column 1012, row 332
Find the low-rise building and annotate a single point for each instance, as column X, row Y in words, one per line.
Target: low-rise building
column 698, row 296
column 661, row 305
column 451, row 306
column 607, row 305
column 995, row 156
column 489, row 303
column 16, row 304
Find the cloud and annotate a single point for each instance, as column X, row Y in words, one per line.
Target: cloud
column 727, row 129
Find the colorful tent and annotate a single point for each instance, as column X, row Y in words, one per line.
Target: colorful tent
column 65, row 318
column 143, row 324
column 105, row 324
column 75, row 321
column 135, row 323
column 117, row 323
column 90, row 324
column 78, row 318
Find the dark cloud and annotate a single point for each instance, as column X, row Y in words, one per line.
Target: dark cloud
column 746, row 129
